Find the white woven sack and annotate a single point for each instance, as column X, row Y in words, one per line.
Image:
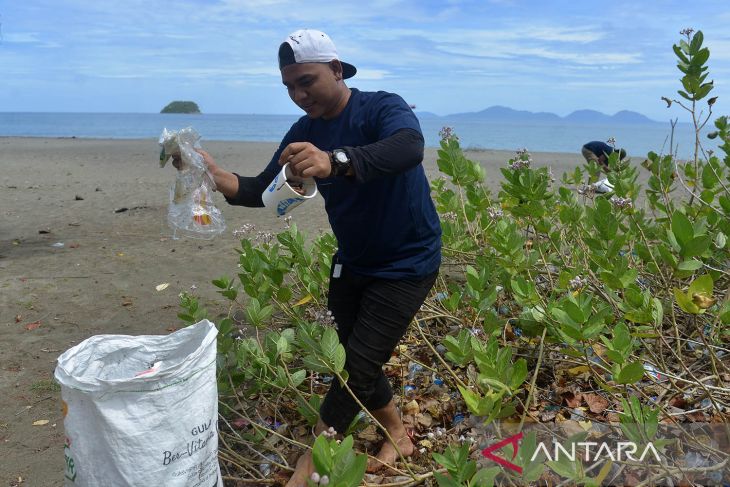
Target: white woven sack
column 142, row 410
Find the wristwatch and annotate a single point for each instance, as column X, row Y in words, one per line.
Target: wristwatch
column 340, row 162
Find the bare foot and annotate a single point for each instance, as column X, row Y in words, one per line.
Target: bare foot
column 302, row 472
column 388, row 454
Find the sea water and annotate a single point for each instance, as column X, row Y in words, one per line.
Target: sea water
column 637, row 139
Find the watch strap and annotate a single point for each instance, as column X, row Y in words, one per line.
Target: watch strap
column 339, row 168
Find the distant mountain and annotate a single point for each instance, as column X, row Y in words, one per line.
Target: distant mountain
column 505, row 114
column 427, row 115
column 626, row 116
column 587, row 116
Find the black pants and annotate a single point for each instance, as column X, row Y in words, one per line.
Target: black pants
column 372, row 315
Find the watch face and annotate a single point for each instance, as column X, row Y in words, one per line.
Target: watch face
column 341, row 157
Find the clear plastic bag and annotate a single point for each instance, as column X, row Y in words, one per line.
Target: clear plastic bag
column 191, row 211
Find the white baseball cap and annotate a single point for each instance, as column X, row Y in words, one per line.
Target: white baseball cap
column 311, row 46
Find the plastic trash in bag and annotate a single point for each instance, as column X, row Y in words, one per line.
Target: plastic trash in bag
column 142, row 410
column 603, row 186
column 191, row 211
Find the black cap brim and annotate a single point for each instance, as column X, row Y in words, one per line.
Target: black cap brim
column 348, row 70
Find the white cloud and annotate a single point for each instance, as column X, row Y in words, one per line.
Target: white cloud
column 565, row 34
column 22, row 38
column 33, row 38
column 372, row 74
column 627, row 83
column 524, row 32
column 516, row 51
column 609, row 59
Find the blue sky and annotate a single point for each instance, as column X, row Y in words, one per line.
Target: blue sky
column 444, row 57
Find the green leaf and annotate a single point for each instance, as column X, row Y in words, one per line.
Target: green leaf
column 531, row 469
column 640, row 316
column 472, row 277
column 685, row 302
column 230, row 294
column 467, row 472
column 680, row 54
column 657, row 312
column 564, row 468
column 689, row 265
column 571, row 332
column 266, row 312
column 562, row 317
column 629, row 277
column 621, row 337
column 709, row 176
column 631, row 373
column 703, row 284
column 615, row 356
column 681, row 228
column 343, row 458
column 445, row 480
column 221, row 283
column 329, row 343
column 473, row 401
column 484, row 477
column 225, row 326
column 444, row 461
column 338, row 359
column 720, row 240
column 520, row 287
column 315, row 364
column 298, row 377
column 603, row 473
column 575, row 312
column 696, row 42
column 724, row 313
column 349, row 469
column 253, row 311
column 309, row 409
column 696, row 246
column 519, row 374
column 704, row 89
column 322, row 456
column 284, row 294
column 724, row 202
column 186, row 317
column 355, row 473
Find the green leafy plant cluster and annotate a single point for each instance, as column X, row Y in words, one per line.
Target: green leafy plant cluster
column 542, row 276
column 336, row 463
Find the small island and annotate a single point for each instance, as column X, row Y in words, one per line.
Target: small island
column 181, row 107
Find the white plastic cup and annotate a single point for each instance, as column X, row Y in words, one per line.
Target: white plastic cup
column 281, row 198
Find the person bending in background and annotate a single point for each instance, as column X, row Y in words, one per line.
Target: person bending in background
column 365, row 152
column 598, row 152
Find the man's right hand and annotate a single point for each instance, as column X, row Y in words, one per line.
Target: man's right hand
column 207, row 160
column 223, row 181
column 306, row 160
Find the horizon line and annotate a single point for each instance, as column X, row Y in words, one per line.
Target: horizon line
column 423, row 112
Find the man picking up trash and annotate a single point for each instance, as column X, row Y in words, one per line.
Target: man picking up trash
column 365, row 152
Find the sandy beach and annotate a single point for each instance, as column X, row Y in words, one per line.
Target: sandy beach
column 84, row 242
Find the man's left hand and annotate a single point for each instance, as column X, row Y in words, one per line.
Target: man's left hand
column 306, row 161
